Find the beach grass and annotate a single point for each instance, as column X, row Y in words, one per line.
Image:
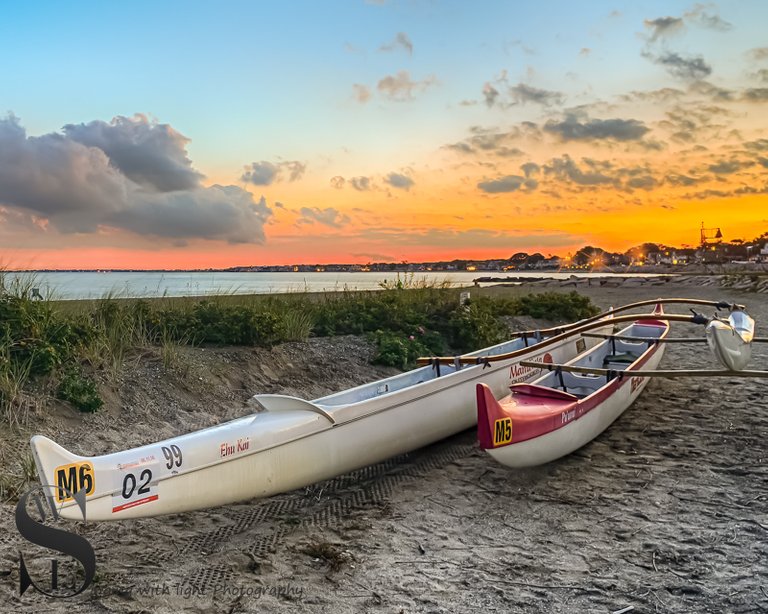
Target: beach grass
column 72, row 345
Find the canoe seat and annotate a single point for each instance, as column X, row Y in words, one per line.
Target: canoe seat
column 624, row 358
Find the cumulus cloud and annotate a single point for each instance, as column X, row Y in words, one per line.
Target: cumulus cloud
column 644, row 182
column 361, row 93
column 714, row 92
column 509, row 183
column 80, row 188
column 709, row 194
column 728, row 167
column 688, row 68
column 463, row 147
column 261, row 173
column 663, row 27
column 565, row 169
column 294, row 169
column 219, row 212
column 756, row 94
column 402, row 88
column 361, row 184
column 681, row 180
column 530, row 168
column 143, row 150
column 494, row 142
column 665, row 94
column 327, row 217
column 399, row 181
column 402, row 41
column 699, row 16
column 58, row 178
column 691, row 122
column 573, row 128
column 759, row 53
column 487, row 139
column 522, row 94
column 758, row 145
column 509, row 152
column 266, row 173
column 490, row 94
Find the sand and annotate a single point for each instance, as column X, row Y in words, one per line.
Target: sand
column 667, row 511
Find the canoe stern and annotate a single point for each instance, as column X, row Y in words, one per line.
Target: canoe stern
column 494, row 426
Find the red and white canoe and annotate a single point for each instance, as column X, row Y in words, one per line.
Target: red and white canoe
column 561, row 411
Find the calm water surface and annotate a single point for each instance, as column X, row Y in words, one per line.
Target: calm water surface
column 78, row 285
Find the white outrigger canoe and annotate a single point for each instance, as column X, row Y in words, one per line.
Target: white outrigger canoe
column 567, row 408
column 291, row 442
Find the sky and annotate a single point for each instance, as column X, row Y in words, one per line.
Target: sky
column 207, row 135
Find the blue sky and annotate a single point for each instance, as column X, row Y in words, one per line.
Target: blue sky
column 367, row 89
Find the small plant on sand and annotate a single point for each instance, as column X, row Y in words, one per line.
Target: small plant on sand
column 79, row 390
column 16, row 476
column 120, row 327
column 333, row 556
column 170, row 352
column 297, row 324
column 15, row 403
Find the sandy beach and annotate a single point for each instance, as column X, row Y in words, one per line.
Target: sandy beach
column 667, row 511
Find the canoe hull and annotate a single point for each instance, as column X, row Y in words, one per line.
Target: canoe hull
column 563, row 441
column 563, row 410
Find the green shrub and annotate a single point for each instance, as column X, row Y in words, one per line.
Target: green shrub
column 396, row 350
column 475, row 326
column 79, row 390
column 556, row 306
column 234, row 325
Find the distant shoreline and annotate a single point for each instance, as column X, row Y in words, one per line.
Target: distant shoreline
column 659, row 269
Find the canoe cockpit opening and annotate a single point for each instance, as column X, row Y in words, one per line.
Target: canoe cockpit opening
column 613, row 361
column 383, row 387
column 576, row 384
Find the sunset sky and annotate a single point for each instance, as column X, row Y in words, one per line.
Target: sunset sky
column 198, row 134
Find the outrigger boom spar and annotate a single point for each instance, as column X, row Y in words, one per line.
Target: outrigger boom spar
column 672, row 340
column 579, row 327
column 657, row 301
column 611, row 373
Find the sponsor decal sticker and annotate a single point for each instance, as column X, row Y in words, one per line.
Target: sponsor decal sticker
column 229, row 448
column 519, row 374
